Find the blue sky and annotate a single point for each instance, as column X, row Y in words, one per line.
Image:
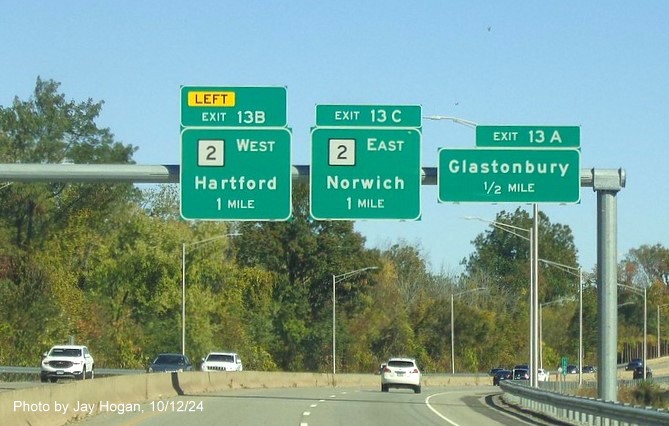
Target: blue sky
column 599, row 65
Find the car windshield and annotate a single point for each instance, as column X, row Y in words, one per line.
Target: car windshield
column 69, row 352
column 400, row 364
column 169, row 359
column 221, row 358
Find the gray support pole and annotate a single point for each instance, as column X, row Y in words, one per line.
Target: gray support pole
column 334, row 326
column 580, row 326
column 607, row 183
column 452, row 338
column 535, row 297
column 183, row 299
column 530, row 340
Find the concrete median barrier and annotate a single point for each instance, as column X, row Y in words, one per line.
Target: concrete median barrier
column 59, row 403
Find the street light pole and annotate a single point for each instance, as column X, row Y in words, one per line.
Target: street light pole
column 575, row 270
column 532, row 238
column 580, row 326
column 452, row 324
column 183, row 283
column 659, row 347
column 335, row 280
column 541, row 326
column 645, row 321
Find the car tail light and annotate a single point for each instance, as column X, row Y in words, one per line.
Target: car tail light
column 415, row 371
column 386, row 370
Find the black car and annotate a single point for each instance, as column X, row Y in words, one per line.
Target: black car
column 589, row 369
column 521, row 374
column 634, row 364
column 170, row 363
column 572, row 369
column 501, row 375
column 494, row 371
column 638, row 373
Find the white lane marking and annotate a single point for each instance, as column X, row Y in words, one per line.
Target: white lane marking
column 313, row 405
column 333, row 396
column 304, row 424
column 306, row 413
column 321, row 400
column 427, row 402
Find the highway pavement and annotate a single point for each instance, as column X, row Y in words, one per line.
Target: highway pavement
column 455, row 406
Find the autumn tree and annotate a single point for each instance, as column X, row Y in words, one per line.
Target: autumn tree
column 44, row 129
column 305, row 254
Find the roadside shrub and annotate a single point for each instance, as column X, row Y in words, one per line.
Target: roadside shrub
column 646, row 394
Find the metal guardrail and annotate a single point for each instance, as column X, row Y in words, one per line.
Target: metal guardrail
column 571, row 387
column 580, row 410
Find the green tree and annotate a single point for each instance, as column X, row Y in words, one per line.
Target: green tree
column 304, row 254
column 49, row 129
column 506, row 256
column 36, row 217
column 503, row 259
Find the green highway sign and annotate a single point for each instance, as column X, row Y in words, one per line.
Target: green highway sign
column 528, row 136
column 509, row 175
column 368, row 116
column 365, row 173
column 564, row 365
column 209, row 106
column 236, row 174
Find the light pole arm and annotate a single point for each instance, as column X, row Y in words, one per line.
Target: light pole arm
column 342, row 277
column 506, row 227
column 457, row 120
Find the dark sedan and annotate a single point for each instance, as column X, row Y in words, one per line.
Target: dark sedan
column 634, row 364
column 494, row 371
column 501, row 375
column 521, row 374
column 638, row 373
column 170, row 363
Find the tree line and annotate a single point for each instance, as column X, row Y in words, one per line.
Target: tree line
column 103, row 263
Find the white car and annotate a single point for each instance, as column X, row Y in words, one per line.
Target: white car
column 222, row 361
column 67, row 361
column 543, row 375
column 401, row 373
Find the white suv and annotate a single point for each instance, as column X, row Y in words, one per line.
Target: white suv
column 543, row 375
column 222, row 361
column 401, row 373
column 67, row 361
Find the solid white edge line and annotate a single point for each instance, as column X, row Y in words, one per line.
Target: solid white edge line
column 427, row 402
